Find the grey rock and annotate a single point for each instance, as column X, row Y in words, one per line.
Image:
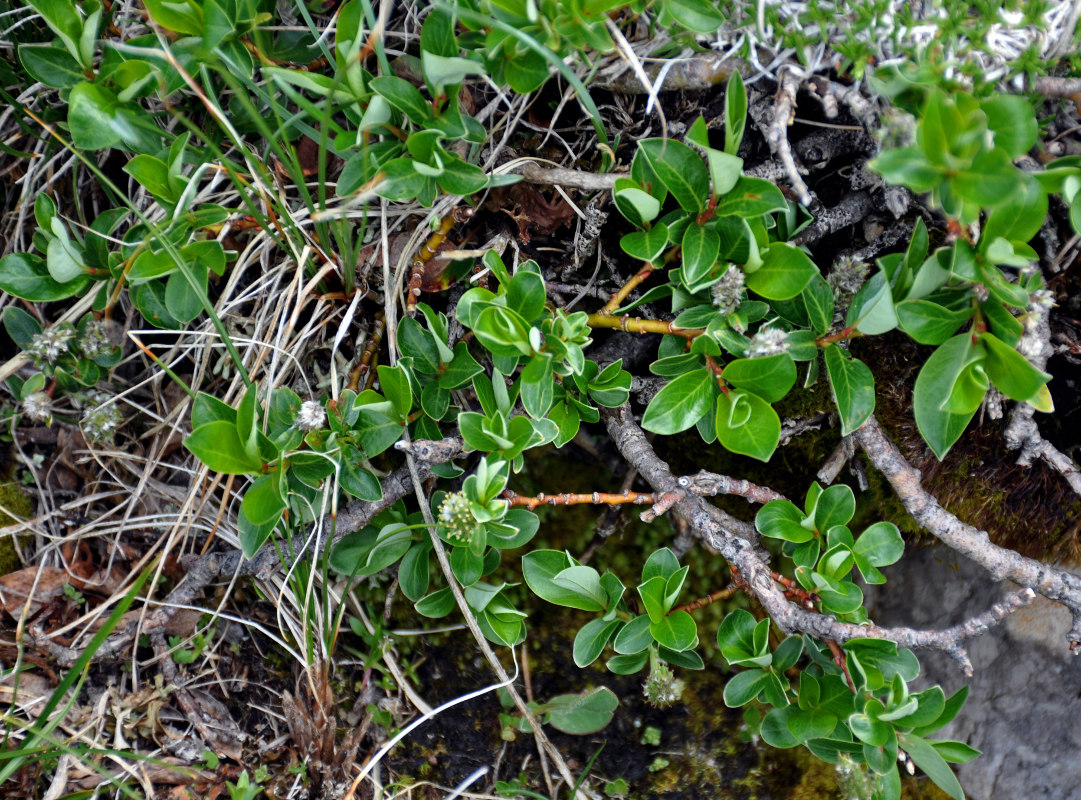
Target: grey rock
column 1023, row 703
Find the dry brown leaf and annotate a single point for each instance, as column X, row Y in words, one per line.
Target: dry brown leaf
column 15, row 588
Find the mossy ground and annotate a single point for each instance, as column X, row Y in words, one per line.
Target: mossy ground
column 13, row 500
column 1027, row 509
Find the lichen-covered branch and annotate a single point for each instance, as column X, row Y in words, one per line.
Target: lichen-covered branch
column 1053, row 583
column 784, row 108
column 736, row 544
column 711, row 484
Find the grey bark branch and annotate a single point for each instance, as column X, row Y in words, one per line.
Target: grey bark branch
column 711, row 484
column 1053, row 583
column 732, row 539
column 784, row 109
column 560, row 176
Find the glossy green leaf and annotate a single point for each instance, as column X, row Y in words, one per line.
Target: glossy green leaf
column 785, row 272
column 93, row 118
column 1013, row 122
column 403, row 96
column 838, row 597
column 538, row 388
column 806, row 724
column 935, row 384
column 26, row 275
column 928, row 322
column 1014, row 376
column 853, row 388
column 1019, row 216
column 751, row 198
column 420, row 345
column 634, row 637
column 461, row 370
column 872, row 312
column 218, row 445
column 503, row 331
column 932, row 764
column 681, row 170
column 735, row 112
column 787, row 653
column 747, row 424
column 627, row 664
column 637, row 205
column 775, row 731
column 700, row 248
column 437, row 604
column 780, row 519
column 677, row 631
column 53, row 66
column 991, row 178
column 182, row 16
column 736, row 634
column 591, row 640
column 869, row 730
column 263, row 503
column 881, row 659
column 907, row 166
column 954, row 752
column 585, row 582
column 652, row 592
column 880, row 544
column 661, row 563
column 414, row 571
column 460, row 177
column 744, row 687
column 539, row 569
column 836, row 505
column 700, row 16
column 646, row 245
column 681, row 403
column 769, row 377
column 817, row 298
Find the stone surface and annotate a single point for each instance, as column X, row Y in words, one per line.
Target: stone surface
column 1025, row 696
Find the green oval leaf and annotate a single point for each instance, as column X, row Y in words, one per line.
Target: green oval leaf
column 681, row 170
column 744, row 687
column 677, row 631
column 939, row 426
column 769, row 377
column 26, row 275
column 747, row 424
column 853, row 388
column 590, row 641
column 218, row 445
column 784, row 273
column 681, row 403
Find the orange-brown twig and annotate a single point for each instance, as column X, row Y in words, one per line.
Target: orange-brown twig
column 840, row 660
column 793, row 591
column 368, row 358
column 664, row 502
column 568, row 499
column 712, row 597
column 427, row 253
